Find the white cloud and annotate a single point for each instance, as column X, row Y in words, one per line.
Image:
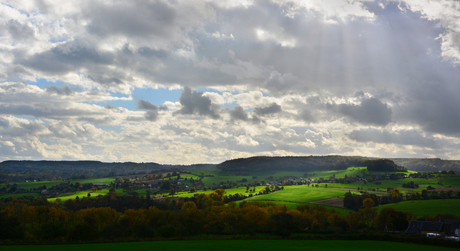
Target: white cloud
column 291, row 78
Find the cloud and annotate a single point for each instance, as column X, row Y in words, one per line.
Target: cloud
column 19, row 31
column 283, row 77
column 401, row 137
column 194, row 102
column 67, row 57
column 237, row 113
column 271, row 109
column 433, row 106
column 152, row 110
column 64, row 90
column 371, row 111
column 146, row 105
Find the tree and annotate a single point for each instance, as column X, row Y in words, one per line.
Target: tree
column 192, row 190
column 172, row 191
column 147, row 195
column 383, row 165
column 89, row 195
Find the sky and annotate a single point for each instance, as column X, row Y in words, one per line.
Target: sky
column 182, row 82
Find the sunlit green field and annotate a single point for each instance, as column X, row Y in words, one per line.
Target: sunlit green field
column 187, row 176
column 223, row 245
column 300, row 194
column 427, row 207
column 80, row 195
column 241, row 190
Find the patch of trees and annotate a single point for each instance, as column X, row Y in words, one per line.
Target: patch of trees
column 384, row 165
column 428, row 164
column 39, row 220
column 410, row 185
column 433, row 195
column 310, row 163
column 355, row 201
column 21, row 170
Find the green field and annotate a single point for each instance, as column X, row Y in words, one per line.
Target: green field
column 427, row 207
column 241, row 190
column 80, row 195
column 222, row 245
column 220, row 176
column 29, row 185
column 291, row 196
column 7, row 195
column 300, row 194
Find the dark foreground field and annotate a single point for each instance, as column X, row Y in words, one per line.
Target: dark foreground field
column 222, row 245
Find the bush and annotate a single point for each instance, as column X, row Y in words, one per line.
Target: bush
column 166, row 231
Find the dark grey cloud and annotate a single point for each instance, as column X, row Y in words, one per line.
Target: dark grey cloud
column 63, row 90
column 237, row 113
column 146, row 105
column 433, row 106
column 307, row 115
column 19, row 31
column 151, row 115
column 194, row 102
column 110, row 107
column 152, row 110
column 140, row 19
column 371, row 111
column 68, row 57
column 359, row 94
column 401, row 137
column 271, row 109
column 105, row 80
column 177, row 129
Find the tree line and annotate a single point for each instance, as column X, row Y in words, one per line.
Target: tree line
column 356, row 201
column 116, row 217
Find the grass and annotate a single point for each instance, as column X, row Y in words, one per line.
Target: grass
column 223, row 245
column 29, row 185
column 7, row 195
column 427, row 207
column 232, row 191
column 80, row 195
column 300, row 194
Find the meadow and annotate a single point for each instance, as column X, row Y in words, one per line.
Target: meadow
column 29, row 185
column 223, row 245
column 291, row 196
column 430, row 208
column 303, row 194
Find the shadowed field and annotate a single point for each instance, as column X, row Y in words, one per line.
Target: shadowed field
column 266, row 245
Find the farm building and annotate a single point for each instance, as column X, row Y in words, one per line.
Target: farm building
column 425, row 227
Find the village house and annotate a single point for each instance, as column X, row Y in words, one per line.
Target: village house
column 428, row 227
column 455, row 226
column 64, row 185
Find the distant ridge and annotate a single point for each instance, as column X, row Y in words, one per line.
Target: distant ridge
column 255, row 163
column 293, row 163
